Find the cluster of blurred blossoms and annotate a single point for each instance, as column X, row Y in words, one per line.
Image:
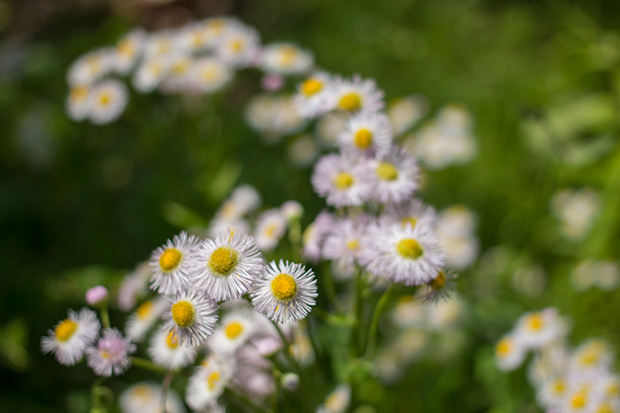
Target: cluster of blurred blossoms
column 208, row 299
column 566, row 380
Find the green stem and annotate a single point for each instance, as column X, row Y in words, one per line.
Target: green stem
column 355, row 313
column 244, row 400
column 147, row 365
column 105, row 317
column 374, row 323
column 330, row 288
column 294, row 237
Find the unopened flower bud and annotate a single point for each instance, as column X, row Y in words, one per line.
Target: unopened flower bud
column 96, row 296
column 290, row 381
column 292, row 210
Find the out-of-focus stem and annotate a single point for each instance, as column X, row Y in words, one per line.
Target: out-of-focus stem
column 374, row 323
column 147, row 365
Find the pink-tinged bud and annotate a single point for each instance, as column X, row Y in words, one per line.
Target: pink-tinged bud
column 96, row 296
column 290, row 381
column 272, row 82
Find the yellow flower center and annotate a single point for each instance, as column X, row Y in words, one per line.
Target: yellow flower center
column 181, row 67
column 145, row 309
column 223, row 261
column 287, row 55
column 126, row 47
column 65, row 329
column 213, row 380
column 183, row 313
column 155, row 68
column 363, row 138
column 233, row 330
column 172, row 340
column 559, row 386
column 170, row 259
column 270, row 229
column 535, row 322
column 605, row 408
column 79, row 93
column 409, row 248
column 408, row 220
column 284, row 287
column 343, row 180
column 439, row 282
column 236, row 45
column 311, row 86
column 387, row 171
column 578, row 400
column 353, row 244
column 503, row 347
column 350, row 101
column 590, row 357
column 105, row 99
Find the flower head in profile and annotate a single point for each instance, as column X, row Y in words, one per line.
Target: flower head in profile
column 207, row 384
column 165, row 350
column 72, row 336
column 509, row 353
column 228, row 266
column 311, row 98
column 111, row 355
column 285, row 293
column 145, row 316
column 410, row 212
column 191, row 318
column 171, row 264
column 286, row 58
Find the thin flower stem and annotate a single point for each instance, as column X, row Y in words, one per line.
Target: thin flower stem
column 244, row 400
column 330, row 288
column 105, row 317
column 355, row 313
column 164, row 390
column 374, row 323
column 147, row 365
column 293, row 364
column 294, row 237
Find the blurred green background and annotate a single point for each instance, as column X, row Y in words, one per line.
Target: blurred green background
column 81, row 204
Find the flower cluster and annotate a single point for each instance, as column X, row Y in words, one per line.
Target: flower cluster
column 566, row 380
column 199, row 58
column 207, row 298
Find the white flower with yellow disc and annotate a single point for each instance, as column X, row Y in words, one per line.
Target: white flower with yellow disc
column 165, row 350
column 171, row 264
column 145, row 316
column 235, row 329
column 191, row 318
column 72, row 336
column 285, row 293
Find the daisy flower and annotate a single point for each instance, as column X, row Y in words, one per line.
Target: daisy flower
column 411, row 212
column 286, row 59
column 191, row 38
column 509, row 353
column 128, row 50
column 210, row 75
column 214, row 29
column 111, row 355
column 178, row 77
column 78, row 102
column 367, row 133
column 150, row 73
column 108, row 100
column 353, row 95
column 243, row 200
column 165, row 350
column 343, row 243
column 592, row 356
column 191, row 318
column 207, row 384
column 227, row 267
column 396, row 176
column 270, row 228
column 539, row 328
column 235, row 329
column 578, row 399
column 146, row 315
column 406, row 255
column 439, row 288
column 171, row 264
column 146, row 398
column 552, row 392
column 239, row 45
column 337, row 401
column 342, row 180
column 310, row 99
column 72, row 336
column 90, row 67
column 160, row 44
column 314, row 236
column 285, row 293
